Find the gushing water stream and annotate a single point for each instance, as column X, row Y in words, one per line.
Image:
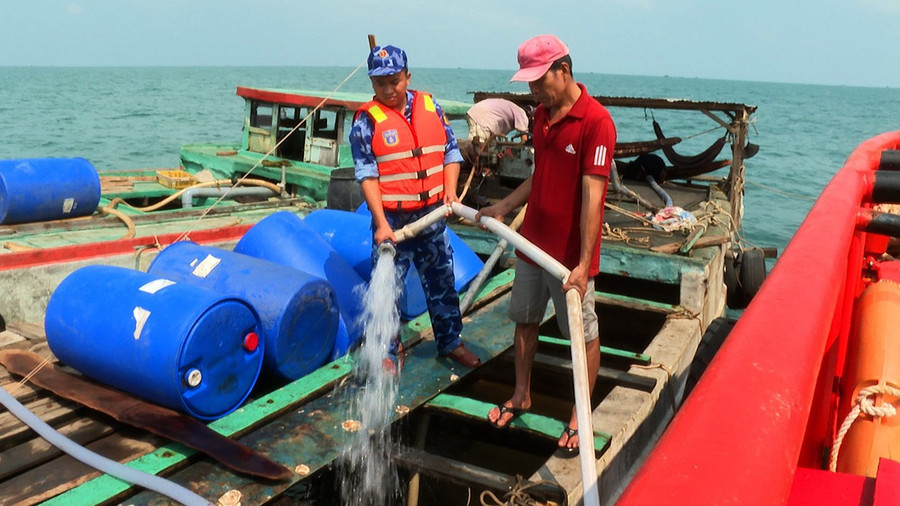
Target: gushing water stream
column 369, row 477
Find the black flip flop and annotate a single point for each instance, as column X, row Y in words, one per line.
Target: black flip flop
column 564, row 452
column 516, row 412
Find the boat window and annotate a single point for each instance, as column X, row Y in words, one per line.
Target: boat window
column 261, row 115
column 325, row 126
column 288, row 118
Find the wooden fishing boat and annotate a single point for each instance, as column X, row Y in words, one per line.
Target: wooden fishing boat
column 658, row 293
column 799, row 405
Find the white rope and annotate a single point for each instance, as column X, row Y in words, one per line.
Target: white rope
column 779, row 192
column 864, row 404
column 186, row 233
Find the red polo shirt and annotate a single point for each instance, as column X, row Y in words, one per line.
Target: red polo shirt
column 581, row 143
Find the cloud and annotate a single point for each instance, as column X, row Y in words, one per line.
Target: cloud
column 74, row 9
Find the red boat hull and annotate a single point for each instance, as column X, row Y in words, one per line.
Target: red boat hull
column 767, row 404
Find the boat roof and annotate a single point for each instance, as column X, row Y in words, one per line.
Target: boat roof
column 653, row 103
column 349, row 101
column 353, row 101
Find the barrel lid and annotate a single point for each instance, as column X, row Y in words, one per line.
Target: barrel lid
column 217, row 368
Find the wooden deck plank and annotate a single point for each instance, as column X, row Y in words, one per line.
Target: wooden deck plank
column 28, row 330
column 48, row 480
column 637, row 358
column 37, row 451
column 51, row 411
column 614, row 299
column 8, row 337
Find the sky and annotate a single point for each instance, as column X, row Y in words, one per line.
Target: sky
column 834, row 42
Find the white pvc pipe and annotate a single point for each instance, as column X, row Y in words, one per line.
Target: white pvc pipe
column 165, row 487
column 413, row 229
column 548, row 263
column 591, row 491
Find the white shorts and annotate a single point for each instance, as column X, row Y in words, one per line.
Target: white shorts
column 531, row 290
column 477, row 131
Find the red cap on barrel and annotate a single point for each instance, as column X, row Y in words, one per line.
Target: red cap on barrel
column 251, row 341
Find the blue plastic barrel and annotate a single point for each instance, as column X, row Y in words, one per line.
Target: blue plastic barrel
column 41, row 189
column 466, row 263
column 298, row 311
column 350, row 234
column 352, row 238
column 175, row 344
column 284, row 239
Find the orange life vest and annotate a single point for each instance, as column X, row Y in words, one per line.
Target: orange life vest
column 409, row 154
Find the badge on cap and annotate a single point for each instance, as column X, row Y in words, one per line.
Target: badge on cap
column 390, row 137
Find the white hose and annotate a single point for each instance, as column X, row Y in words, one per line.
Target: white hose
column 165, row 487
column 590, row 486
column 548, row 263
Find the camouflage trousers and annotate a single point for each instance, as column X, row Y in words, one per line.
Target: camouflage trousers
column 430, row 252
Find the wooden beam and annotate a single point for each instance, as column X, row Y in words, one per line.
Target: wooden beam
column 468, row 475
column 528, row 422
column 638, row 358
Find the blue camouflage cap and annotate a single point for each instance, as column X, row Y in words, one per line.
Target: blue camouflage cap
column 386, row 60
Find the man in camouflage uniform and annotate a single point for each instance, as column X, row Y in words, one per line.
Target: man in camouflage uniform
column 394, row 116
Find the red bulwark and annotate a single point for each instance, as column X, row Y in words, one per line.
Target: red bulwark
column 815, row 487
column 45, row 256
column 887, row 483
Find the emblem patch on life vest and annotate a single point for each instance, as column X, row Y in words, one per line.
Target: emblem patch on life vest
column 390, row 137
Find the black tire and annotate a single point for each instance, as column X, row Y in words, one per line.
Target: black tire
column 733, row 296
column 752, row 273
column 712, row 340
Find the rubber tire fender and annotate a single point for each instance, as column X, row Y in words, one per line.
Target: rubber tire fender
column 752, row 273
column 733, row 296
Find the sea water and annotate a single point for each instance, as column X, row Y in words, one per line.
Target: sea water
column 139, row 117
column 368, row 475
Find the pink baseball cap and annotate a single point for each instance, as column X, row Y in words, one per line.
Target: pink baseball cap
column 536, row 55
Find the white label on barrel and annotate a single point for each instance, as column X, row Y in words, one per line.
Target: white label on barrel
column 68, row 204
column 140, row 318
column 156, row 285
column 206, row 266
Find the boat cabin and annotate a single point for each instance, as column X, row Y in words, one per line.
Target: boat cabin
column 291, row 122
column 271, row 115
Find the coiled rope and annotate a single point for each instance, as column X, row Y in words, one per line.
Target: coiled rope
column 518, row 496
column 864, row 404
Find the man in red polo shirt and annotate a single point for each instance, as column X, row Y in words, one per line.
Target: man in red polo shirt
column 573, row 138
